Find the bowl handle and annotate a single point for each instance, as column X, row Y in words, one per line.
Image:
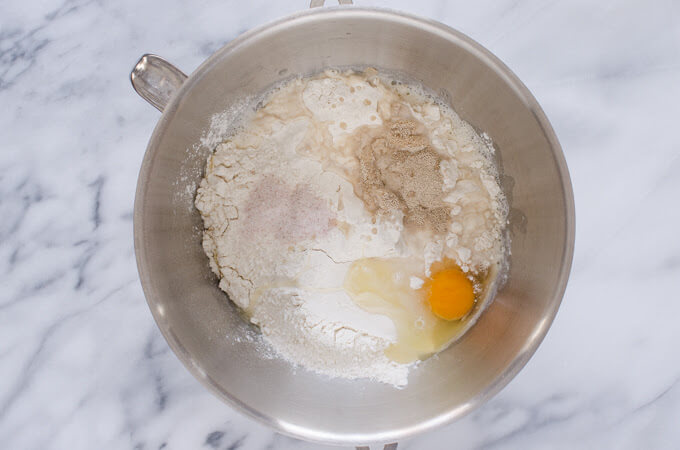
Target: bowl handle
column 156, row 80
column 315, row 3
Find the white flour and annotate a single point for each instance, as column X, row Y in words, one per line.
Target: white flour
column 283, row 223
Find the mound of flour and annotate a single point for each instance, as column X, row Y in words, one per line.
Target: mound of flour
column 283, row 222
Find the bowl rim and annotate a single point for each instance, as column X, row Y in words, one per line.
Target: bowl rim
column 511, row 80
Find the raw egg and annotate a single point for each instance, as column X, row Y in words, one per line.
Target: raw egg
column 428, row 312
column 450, row 294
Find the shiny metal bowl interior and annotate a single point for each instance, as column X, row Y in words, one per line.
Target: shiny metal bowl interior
column 205, row 330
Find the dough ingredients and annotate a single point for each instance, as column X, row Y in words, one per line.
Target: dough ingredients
column 357, row 221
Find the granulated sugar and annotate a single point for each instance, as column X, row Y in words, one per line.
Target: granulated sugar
column 291, row 213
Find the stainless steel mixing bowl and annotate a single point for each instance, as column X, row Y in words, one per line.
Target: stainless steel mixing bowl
column 206, row 331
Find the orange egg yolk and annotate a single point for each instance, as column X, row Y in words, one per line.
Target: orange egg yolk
column 451, row 295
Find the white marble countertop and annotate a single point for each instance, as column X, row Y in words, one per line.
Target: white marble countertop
column 82, row 364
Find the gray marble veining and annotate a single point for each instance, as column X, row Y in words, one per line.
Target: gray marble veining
column 82, row 364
